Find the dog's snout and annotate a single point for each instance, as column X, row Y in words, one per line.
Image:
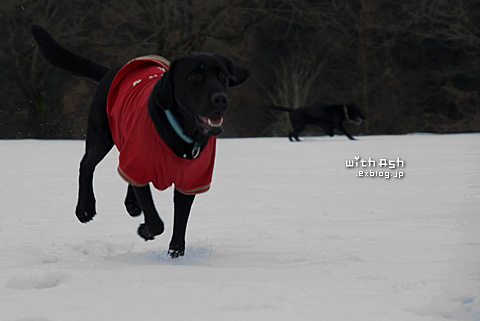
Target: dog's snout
column 219, row 100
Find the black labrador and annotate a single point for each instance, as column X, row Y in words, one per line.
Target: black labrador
column 328, row 117
column 194, row 92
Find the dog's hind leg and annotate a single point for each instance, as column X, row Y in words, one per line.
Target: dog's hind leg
column 298, row 126
column 183, row 204
column 131, row 203
column 98, row 143
column 294, row 134
column 290, row 136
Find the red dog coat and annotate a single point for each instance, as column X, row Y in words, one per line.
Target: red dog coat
column 144, row 156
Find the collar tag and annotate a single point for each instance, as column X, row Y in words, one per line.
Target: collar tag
column 195, row 150
column 179, row 131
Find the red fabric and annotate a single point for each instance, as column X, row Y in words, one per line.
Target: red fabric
column 144, row 156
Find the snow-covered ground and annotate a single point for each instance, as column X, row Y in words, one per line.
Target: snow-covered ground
column 287, row 232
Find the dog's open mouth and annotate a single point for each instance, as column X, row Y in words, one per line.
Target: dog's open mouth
column 212, row 122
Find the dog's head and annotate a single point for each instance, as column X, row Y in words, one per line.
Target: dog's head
column 195, row 88
column 355, row 115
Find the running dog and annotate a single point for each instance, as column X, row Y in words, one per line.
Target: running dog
column 163, row 117
column 328, row 117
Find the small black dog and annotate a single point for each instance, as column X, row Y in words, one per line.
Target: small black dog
column 162, row 117
column 328, row 117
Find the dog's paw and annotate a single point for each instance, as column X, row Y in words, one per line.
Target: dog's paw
column 176, row 251
column 133, row 208
column 145, row 233
column 85, row 215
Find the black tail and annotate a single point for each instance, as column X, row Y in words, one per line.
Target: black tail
column 282, row 108
column 62, row 58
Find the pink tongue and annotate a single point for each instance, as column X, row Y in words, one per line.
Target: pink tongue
column 216, row 120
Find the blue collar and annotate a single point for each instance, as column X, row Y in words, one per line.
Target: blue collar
column 176, row 127
column 179, row 131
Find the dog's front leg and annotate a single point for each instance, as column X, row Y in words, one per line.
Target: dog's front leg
column 183, row 204
column 344, row 131
column 153, row 225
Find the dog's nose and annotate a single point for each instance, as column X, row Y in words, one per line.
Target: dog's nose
column 219, row 100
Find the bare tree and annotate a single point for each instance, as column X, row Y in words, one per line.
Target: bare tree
column 126, row 29
column 294, row 77
column 410, row 65
column 23, row 64
column 310, row 41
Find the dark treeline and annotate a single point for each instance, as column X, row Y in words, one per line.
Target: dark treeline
column 411, row 65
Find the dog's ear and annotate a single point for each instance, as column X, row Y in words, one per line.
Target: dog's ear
column 164, row 94
column 238, row 75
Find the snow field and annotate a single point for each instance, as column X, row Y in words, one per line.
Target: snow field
column 286, row 232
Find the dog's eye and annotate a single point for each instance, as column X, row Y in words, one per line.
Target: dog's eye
column 195, row 77
column 222, row 76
